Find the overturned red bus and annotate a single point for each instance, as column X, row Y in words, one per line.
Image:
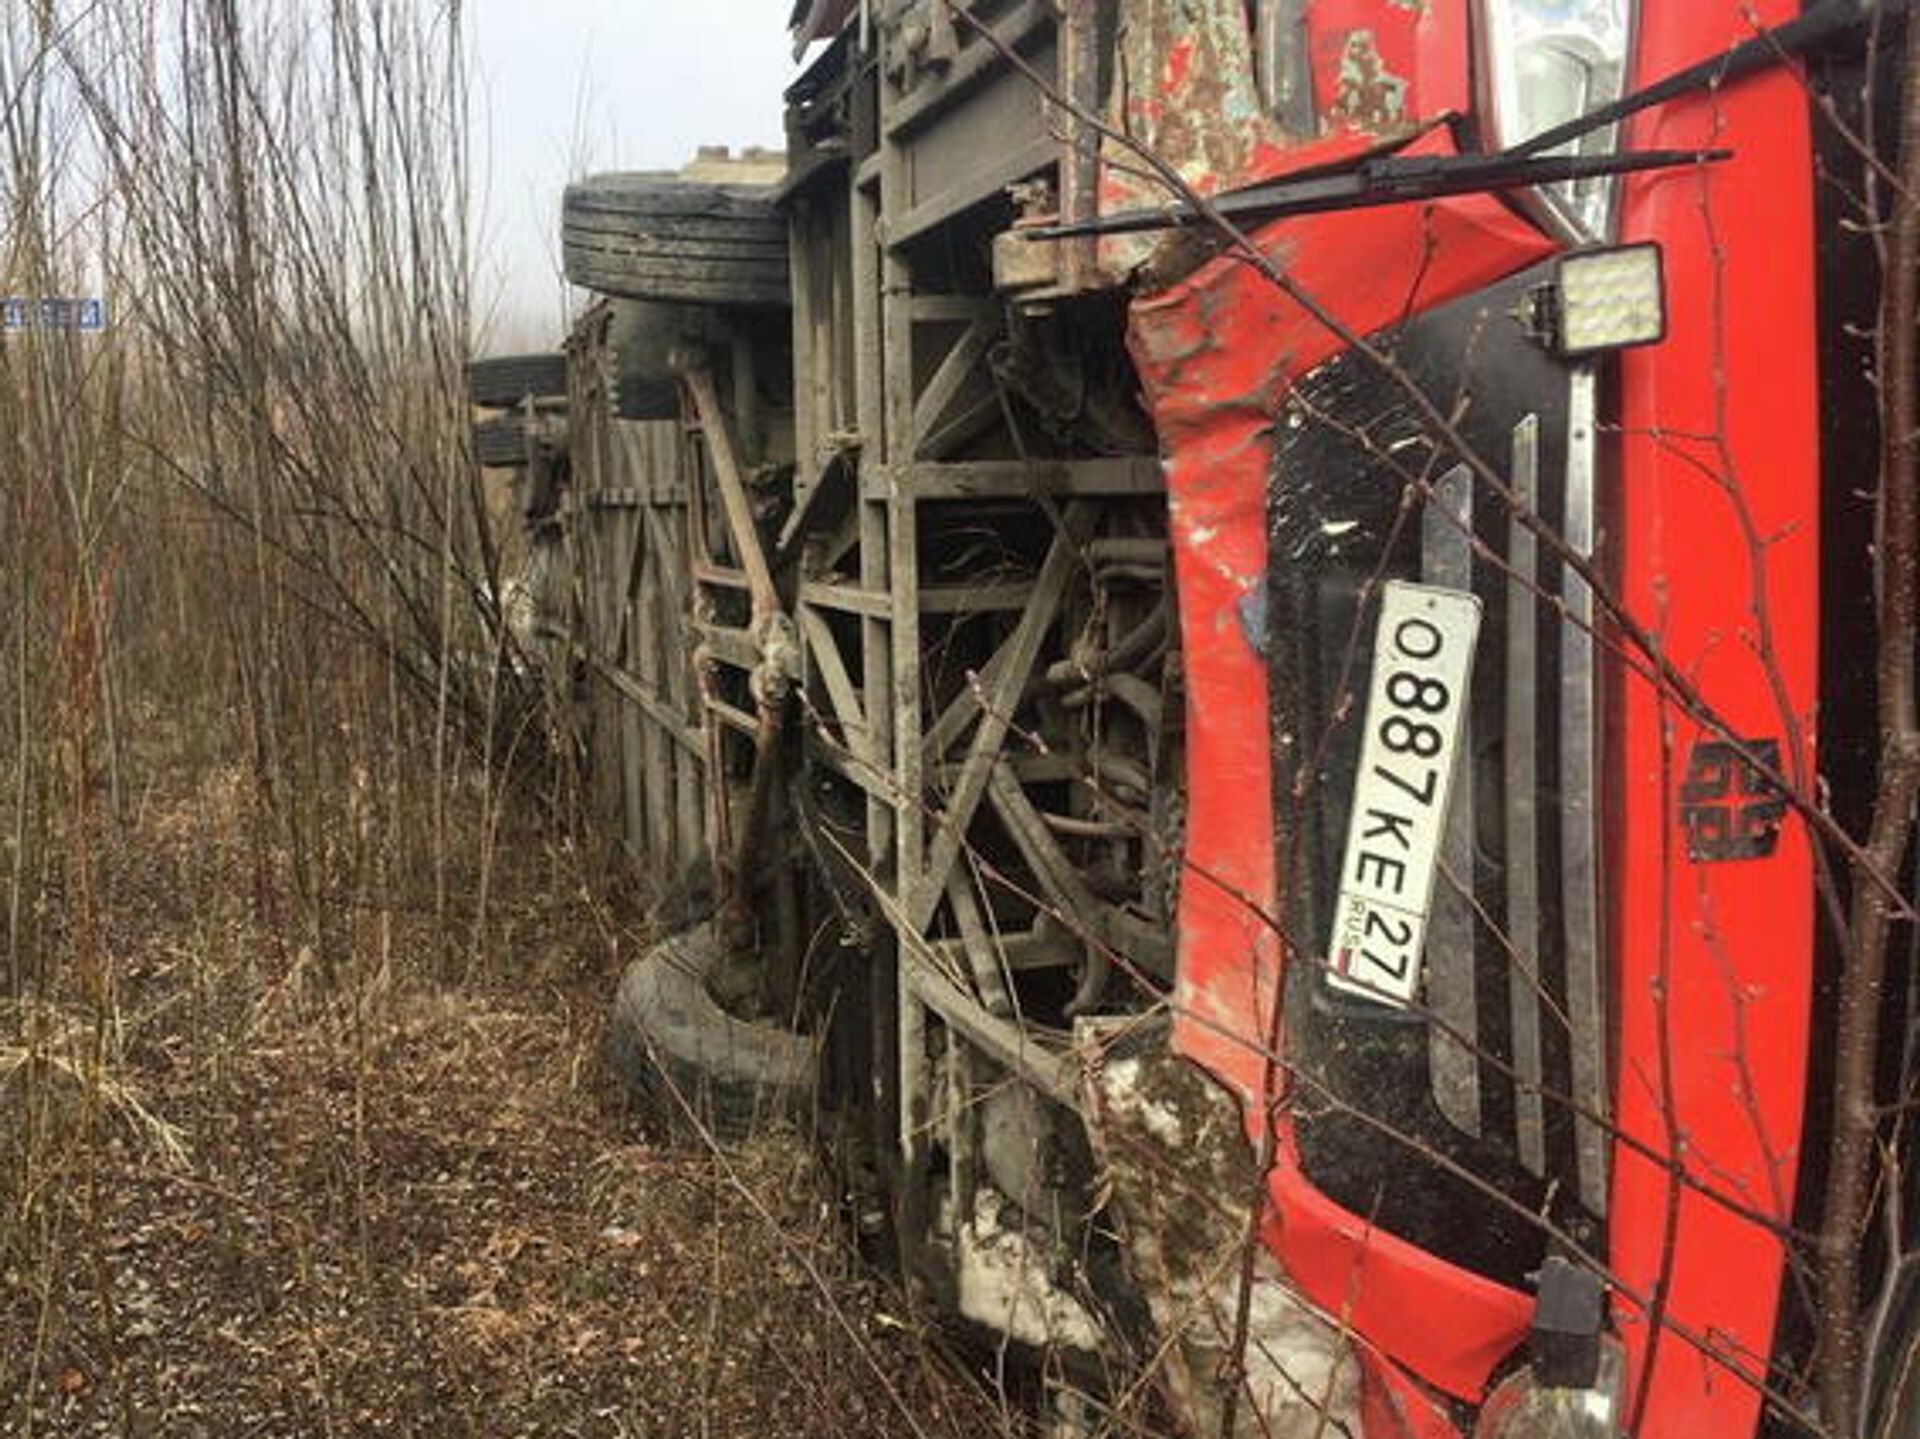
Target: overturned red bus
column 1227, row 607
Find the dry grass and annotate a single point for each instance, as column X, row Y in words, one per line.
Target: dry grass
column 303, row 963
column 398, row 1207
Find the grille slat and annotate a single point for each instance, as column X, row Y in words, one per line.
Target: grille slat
column 1446, row 560
column 1521, row 765
column 1579, row 801
column 1512, row 1017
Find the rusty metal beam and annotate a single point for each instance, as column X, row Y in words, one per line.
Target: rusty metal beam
column 737, row 508
column 956, row 367
column 823, row 652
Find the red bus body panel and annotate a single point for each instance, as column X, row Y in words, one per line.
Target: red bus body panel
column 1715, row 1070
column 1216, row 354
column 1719, row 547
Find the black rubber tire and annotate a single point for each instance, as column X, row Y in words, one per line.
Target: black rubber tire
column 657, row 237
column 501, row 442
column 646, row 337
column 670, row 1039
column 503, row 381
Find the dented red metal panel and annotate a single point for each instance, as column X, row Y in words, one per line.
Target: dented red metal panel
column 1715, row 958
column 1711, row 961
column 1380, row 68
column 1216, row 354
column 1394, row 1406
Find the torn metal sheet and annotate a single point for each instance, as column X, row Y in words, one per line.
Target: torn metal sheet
column 1185, row 89
column 817, row 20
column 1180, row 1172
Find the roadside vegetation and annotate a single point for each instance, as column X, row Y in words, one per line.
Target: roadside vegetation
column 304, row 1124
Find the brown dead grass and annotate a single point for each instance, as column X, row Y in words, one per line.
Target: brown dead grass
column 293, row 1196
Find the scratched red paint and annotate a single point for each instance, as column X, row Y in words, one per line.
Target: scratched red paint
column 1424, row 45
column 1179, row 66
column 1216, row 354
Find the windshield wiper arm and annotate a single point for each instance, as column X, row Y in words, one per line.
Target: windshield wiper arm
column 1395, row 179
column 1387, row 180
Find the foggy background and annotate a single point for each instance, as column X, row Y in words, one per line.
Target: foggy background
column 565, row 87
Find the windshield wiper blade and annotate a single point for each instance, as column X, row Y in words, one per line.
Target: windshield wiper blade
column 1388, row 180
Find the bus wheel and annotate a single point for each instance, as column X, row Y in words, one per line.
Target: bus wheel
column 686, row 1059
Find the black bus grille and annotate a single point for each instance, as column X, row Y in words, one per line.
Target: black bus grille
column 1500, row 1068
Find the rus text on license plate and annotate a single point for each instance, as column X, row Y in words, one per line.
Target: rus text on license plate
column 1422, row 664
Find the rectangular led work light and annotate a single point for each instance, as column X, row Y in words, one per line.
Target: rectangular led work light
column 1609, row 299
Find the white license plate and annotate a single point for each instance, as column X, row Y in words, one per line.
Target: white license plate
column 1416, row 706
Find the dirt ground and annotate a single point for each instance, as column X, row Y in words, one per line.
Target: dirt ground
column 257, row 1194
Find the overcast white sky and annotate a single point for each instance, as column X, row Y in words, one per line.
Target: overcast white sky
column 569, row 86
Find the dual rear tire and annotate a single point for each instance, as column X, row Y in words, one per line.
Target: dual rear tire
column 667, row 247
